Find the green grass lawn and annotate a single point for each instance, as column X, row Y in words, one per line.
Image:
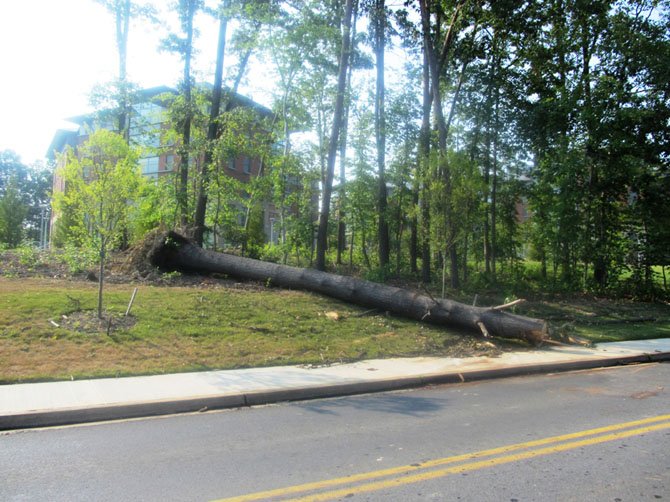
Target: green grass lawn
column 187, row 328
column 47, row 330
column 604, row 320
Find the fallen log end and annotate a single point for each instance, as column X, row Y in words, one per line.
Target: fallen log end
column 501, row 324
column 163, row 248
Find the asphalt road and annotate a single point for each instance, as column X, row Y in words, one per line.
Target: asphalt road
column 528, row 438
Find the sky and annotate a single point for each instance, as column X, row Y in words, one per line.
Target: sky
column 53, row 52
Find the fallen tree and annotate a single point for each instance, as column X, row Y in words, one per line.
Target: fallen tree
column 174, row 252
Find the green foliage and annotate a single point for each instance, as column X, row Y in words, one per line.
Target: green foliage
column 559, row 107
column 12, row 215
column 254, row 236
column 272, row 253
column 78, row 258
column 24, row 199
column 155, row 206
column 102, row 181
column 29, row 256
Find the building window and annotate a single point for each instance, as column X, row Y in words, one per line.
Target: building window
column 169, row 163
column 231, row 164
column 149, row 166
column 274, row 229
column 241, row 214
column 147, row 135
column 247, row 165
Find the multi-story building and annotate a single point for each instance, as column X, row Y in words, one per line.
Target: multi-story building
column 147, row 129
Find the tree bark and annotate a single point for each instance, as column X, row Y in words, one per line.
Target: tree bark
column 212, row 131
column 413, row 237
column 122, row 25
column 436, row 64
column 322, row 235
column 184, row 151
column 424, row 173
column 341, row 221
column 175, row 252
column 380, row 133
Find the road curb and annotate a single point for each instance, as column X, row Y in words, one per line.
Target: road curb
column 69, row 416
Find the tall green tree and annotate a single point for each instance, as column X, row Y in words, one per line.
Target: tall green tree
column 184, row 108
column 213, row 128
column 102, row 181
column 324, row 217
column 32, row 184
column 123, row 11
column 13, row 212
column 379, row 18
column 440, row 25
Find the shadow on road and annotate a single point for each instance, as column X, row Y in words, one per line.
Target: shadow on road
column 388, row 403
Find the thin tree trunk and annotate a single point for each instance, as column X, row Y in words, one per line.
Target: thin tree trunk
column 436, row 63
column 322, row 235
column 287, row 150
column 212, row 132
column 351, row 248
column 400, row 226
column 413, row 236
column 494, row 191
column 364, row 246
column 380, row 133
column 341, row 222
column 465, row 259
column 101, row 271
column 425, row 173
column 182, row 195
column 217, row 213
column 101, row 279
column 122, row 26
column 487, row 169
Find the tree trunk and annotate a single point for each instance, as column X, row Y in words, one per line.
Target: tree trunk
column 322, row 235
column 436, row 63
column 184, row 151
column 175, row 252
column 400, row 227
column 212, row 133
column 424, row 173
column 413, row 237
column 380, row 133
column 122, row 25
column 344, row 133
column 494, row 192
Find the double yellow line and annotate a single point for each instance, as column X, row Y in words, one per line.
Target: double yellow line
column 398, row 476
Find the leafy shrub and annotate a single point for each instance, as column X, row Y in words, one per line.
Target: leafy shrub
column 78, row 258
column 29, row 256
column 272, row 252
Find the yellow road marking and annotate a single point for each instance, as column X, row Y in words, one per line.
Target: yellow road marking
column 472, row 466
column 406, row 469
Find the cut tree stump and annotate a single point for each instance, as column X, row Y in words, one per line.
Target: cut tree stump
column 175, row 252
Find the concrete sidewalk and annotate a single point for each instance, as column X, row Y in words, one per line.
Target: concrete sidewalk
column 58, row 403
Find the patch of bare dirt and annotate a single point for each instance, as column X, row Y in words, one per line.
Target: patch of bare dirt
column 88, row 322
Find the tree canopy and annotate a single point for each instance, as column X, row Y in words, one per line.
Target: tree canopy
column 449, row 139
